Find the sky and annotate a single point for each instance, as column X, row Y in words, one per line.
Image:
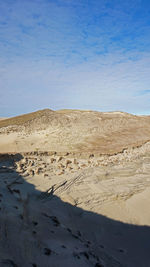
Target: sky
column 83, row 54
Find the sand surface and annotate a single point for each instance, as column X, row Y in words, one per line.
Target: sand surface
column 74, row 130
column 67, row 205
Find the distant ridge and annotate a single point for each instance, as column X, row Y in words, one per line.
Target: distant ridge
column 22, row 119
column 46, row 116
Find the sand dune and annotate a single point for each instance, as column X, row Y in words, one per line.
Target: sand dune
column 74, row 130
column 75, row 189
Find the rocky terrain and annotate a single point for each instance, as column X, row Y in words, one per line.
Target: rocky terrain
column 75, row 189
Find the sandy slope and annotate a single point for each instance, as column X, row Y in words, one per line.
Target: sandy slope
column 73, row 130
column 63, row 211
column 68, row 197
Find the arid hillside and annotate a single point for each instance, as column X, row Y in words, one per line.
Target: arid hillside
column 75, row 189
column 74, row 131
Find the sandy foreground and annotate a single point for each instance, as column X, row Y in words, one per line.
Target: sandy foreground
column 66, row 199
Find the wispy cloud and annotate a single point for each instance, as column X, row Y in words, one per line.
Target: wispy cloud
column 74, row 54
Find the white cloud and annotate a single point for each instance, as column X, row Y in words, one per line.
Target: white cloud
column 108, row 83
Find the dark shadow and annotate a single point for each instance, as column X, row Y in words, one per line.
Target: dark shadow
column 40, row 230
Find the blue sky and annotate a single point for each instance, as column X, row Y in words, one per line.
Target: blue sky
column 84, row 54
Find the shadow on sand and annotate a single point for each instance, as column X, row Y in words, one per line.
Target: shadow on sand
column 38, row 229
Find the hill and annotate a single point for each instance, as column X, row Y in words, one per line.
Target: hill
column 75, row 189
column 75, row 131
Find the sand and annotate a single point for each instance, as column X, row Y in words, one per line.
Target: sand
column 65, row 206
column 76, row 131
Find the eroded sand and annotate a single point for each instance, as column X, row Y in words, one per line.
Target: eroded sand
column 61, row 207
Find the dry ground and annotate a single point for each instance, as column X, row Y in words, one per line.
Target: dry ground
column 74, row 130
column 75, row 189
